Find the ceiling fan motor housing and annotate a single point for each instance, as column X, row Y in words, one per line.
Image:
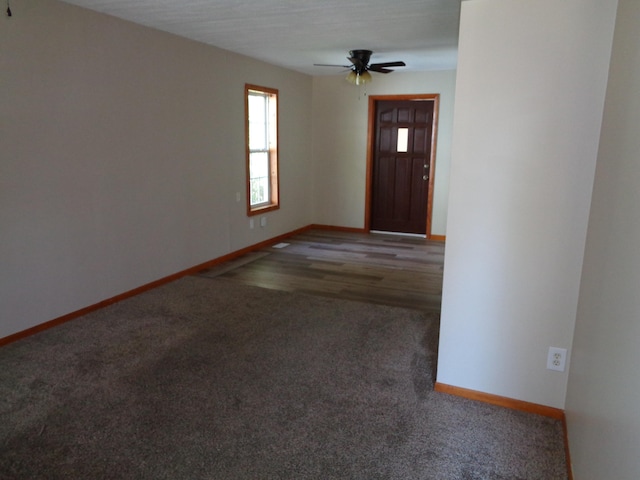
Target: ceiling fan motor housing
column 360, row 59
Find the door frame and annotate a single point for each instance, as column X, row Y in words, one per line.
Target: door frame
column 373, row 99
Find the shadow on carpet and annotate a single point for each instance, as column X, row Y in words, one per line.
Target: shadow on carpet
column 209, row 379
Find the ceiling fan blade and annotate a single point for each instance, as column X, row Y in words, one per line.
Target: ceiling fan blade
column 373, row 68
column 330, row 65
column 360, row 63
column 387, row 64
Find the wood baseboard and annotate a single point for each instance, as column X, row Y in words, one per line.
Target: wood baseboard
column 169, row 278
column 435, row 238
column 512, row 403
column 336, row 228
column 143, row 288
column 567, row 452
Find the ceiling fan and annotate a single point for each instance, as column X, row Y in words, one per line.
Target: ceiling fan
column 360, row 67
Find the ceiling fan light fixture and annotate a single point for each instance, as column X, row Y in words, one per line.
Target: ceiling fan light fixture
column 364, row 77
column 359, row 78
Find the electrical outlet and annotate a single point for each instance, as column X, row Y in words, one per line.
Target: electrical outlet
column 556, row 358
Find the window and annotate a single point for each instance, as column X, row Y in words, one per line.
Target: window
column 261, row 107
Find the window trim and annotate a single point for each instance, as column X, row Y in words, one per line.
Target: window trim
column 274, row 178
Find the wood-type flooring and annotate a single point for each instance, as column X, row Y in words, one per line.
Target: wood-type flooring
column 379, row 268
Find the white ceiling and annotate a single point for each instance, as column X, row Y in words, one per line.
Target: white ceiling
column 295, row 34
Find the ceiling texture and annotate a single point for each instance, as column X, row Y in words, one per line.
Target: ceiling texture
column 295, row 34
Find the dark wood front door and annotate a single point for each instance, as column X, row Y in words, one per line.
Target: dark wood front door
column 401, row 162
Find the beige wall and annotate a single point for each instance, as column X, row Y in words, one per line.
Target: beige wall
column 122, row 153
column 340, row 114
column 123, row 156
column 529, row 102
column 603, row 395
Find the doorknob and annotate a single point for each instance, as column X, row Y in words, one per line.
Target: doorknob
column 425, row 177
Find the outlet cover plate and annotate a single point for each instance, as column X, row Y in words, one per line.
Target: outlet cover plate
column 556, row 359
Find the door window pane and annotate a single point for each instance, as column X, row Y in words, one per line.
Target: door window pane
column 403, row 140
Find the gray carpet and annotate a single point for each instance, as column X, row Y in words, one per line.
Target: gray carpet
column 209, row 379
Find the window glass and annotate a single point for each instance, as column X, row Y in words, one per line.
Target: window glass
column 262, row 149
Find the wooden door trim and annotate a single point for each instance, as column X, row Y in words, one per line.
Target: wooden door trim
column 435, row 98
